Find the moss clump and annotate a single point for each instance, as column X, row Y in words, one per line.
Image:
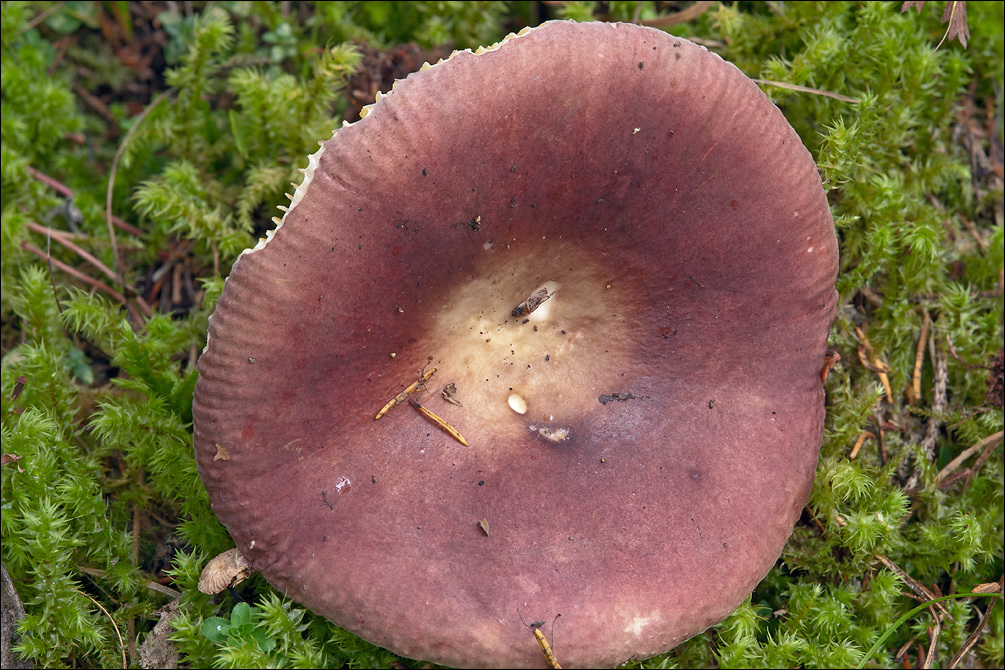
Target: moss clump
column 104, row 498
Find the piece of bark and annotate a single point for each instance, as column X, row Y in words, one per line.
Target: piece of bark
column 157, row 650
column 12, row 612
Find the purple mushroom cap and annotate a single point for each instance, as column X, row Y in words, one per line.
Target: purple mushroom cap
column 641, row 444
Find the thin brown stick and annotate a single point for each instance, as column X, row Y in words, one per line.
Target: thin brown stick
column 98, row 105
column 939, row 402
column 49, row 11
column 683, row 16
column 638, row 12
column 994, row 438
column 61, row 47
column 52, row 277
column 64, row 239
column 111, row 180
column 907, row 645
column 150, row 584
column 122, row 645
column 972, row 640
column 126, row 227
column 914, row 392
column 77, row 274
column 981, row 460
column 933, row 639
column 859, row 442
column 913, row 584
column 807, row 89
column 951, row 348
column 67, row 192
column 54, row 184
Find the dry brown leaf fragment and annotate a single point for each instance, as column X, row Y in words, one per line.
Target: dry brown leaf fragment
column 18, row 387
column 956, row 16
column 222, row 453
column 991, row 587
column 7, row 459
column 830, row 360
column 484, row 523
column 230, row 567
column 449, row 391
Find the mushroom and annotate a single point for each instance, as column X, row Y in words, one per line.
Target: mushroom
column 684, row 240
column 223, row 570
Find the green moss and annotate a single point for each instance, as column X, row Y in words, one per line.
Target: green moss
column 103, row 422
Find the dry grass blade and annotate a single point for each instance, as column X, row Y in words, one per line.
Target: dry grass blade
column 408, row 390
column 453, row 432
column 983, row 458
column 807, row 89
column 122, row 646
column 73, row 272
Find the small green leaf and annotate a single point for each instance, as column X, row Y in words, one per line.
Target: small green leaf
column 241, row 616
column 265, row 643
column 216, row 629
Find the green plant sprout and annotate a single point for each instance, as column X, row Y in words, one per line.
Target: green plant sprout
column 910, row 613
column 240, row 629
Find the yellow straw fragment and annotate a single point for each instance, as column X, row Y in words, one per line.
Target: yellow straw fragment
column 549, row 655
column 400, row 398
column 440, row 422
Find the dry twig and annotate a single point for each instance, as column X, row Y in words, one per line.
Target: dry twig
column 683, row 16
column 916, row 586
column 859, row 442
column 933, row 639
column 935, row 419
column 979, row 628
column 914, row 392
column 871, row 361
column 64, row 239
column 989, row 441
